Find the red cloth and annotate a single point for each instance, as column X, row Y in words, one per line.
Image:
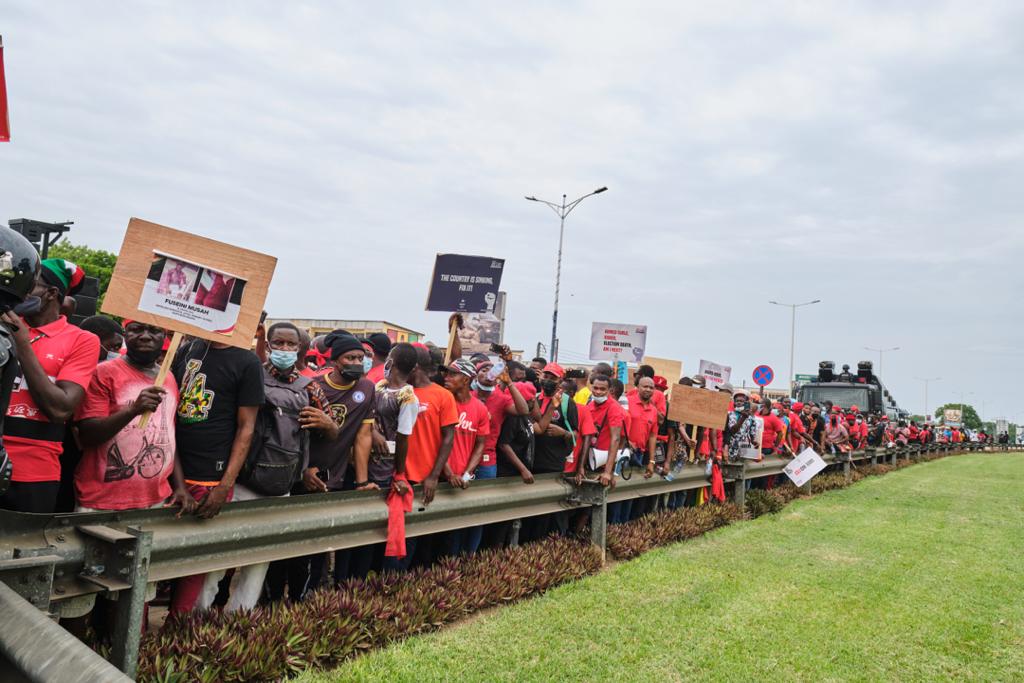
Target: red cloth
column 5, row 124
column 398, row 505
column 718, row 483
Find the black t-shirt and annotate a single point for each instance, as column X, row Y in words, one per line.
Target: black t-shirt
column 351, row 407
column 213, row 385
column 517, row 432
column 550, row 452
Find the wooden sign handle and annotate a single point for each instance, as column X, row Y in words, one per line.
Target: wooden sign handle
column 161, row 376
column 451, row 340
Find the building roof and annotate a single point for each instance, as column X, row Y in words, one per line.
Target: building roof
column 344, row 324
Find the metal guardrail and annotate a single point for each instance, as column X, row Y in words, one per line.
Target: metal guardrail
column 48, row 558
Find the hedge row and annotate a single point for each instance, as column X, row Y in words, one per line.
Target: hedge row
column 333, row 625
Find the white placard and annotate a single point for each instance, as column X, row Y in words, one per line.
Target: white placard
column 804, row 466
column 617, row 341
column 714, row 374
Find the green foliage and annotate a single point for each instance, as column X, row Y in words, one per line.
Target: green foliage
column 971, row 419
column 96, row 262
column 759, row 502
column 333, row 625
column 650, row 531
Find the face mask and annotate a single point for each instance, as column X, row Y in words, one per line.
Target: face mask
column 367, row 363
column 282, row 360
column 352, row 371
column 599, row 399
column 143, row 358
column 476, row 386
column 112, row 355
column 387, row 370
column 30, row 306
column 775, row 412
column 549, row 386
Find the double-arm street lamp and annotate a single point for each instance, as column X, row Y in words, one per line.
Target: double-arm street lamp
column 561, row 210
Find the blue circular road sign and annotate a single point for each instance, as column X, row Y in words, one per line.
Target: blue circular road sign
column 763, row 375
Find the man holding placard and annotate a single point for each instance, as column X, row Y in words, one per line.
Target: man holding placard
column 57, row 363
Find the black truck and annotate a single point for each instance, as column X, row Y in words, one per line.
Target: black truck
column 862, row 389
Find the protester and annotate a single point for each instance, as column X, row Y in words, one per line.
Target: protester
column 57, row 364
column 110, row 334
column 380, row 347
column 502, row 398
column 608, row 418
column 582, row 396
column 292, row 405
column 836, row 436
column 221, row 389
column 538, row 364
column 467, row 447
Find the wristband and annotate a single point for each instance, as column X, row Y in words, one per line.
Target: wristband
column 361, row 483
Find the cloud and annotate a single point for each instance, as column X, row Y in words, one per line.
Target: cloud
column 862, row 153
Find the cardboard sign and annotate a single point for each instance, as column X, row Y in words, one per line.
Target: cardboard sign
column 617, row 341
column 668, row 368
column 696, row 406
column 714, row 374
column 804, row 466
column 483, row 329
column 189, row 284
column 465, row 284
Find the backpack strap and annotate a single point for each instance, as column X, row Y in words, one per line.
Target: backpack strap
column 566, row 400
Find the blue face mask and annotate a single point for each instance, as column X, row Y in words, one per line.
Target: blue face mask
column 476, row 386
column 367, row 364
column 282, row 360
column 599, row 399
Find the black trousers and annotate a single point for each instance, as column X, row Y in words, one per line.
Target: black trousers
column 31, row 496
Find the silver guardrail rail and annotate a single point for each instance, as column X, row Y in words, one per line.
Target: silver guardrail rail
column 45, row 559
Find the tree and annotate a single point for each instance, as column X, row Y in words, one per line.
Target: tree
column 971, row 419
column 96, row 262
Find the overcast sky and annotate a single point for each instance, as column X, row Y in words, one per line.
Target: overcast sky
column 867, row 156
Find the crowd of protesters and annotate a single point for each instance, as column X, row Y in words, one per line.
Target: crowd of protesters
column 87, row 430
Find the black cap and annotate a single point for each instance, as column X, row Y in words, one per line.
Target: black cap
column 380, row 342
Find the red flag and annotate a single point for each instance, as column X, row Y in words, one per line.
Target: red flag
column 5, row 124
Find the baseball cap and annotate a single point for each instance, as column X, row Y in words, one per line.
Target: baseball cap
column 555, row 369
column 660, row 383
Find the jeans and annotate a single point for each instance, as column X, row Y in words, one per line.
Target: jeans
column 466, row 541
column 618, row 513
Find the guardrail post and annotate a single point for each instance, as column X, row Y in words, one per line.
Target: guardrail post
column 131, row 603
column 599, row 525
column 892, row 456
column 738, row 473
column 846, row 467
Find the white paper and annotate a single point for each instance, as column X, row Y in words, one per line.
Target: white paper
column 804, row 466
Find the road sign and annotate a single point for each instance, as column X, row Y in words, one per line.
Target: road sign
column 803, row 379
column 763, row 375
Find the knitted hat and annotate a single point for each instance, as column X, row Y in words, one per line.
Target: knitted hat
column 66, row 276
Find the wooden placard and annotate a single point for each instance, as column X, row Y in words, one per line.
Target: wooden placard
column 668, row 368
column 216, row 293
column 696, row 406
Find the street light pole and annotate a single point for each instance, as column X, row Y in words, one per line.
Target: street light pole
column 561, row 210
column 880, row 352
column 926, row 380
column 792, row 333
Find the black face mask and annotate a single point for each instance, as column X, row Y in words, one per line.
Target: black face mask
column 549, row 386
column 352, row 371
column 143, row 358
column 30, row 306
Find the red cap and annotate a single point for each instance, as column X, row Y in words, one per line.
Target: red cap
column 836, row 409
column 660, row 383
column 854, row 409
column 798, row 407
column 555, row 369
column 527, row 390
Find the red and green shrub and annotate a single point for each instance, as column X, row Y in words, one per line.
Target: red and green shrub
column 628, row 540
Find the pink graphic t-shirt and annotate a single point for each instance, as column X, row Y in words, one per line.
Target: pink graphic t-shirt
column 131, row 470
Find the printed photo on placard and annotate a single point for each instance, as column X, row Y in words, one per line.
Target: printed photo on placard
column 192, row 293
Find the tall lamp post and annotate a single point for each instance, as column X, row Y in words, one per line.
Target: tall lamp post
column 561, row 210
column 926, row 380
column 792, row 333
column 880, row 352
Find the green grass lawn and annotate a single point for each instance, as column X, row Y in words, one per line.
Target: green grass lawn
column 912, row 576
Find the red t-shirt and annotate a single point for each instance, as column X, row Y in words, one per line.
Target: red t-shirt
column 657, row 398
column 643, row 419
column 131, row 470
column 497, row 405
column 586, row 429
column 773, row 426
column 796, row 427
column 67, row 354
column 474, row 421
column 605, row 416
column 310, row 372
column 437, row 410
column 376, row 373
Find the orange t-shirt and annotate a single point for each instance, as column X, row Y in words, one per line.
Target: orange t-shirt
column 437, row 410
